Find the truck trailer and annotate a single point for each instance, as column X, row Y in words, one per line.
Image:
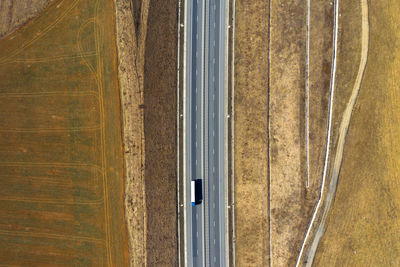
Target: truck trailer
column 196, row 191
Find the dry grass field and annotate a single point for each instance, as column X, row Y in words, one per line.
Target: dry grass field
column 61, row 160
column 273, row 236
column 251, row 136
column 362, row 227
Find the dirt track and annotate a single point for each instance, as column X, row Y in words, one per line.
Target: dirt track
column 343, row 129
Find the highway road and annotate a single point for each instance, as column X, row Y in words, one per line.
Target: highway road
column 205, row 131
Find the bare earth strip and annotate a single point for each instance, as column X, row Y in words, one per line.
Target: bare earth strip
column 160, row 133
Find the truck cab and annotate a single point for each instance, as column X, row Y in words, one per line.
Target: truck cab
column 196, row 191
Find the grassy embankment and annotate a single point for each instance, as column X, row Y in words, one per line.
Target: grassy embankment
column 147, row 33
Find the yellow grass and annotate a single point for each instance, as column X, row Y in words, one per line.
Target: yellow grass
column 61, row 170
column 362, row 228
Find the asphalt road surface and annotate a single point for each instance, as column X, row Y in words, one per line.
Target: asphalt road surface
column 205, row 131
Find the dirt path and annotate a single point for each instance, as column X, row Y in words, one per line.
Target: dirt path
column 344, row 126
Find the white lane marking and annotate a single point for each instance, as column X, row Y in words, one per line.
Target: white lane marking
column 214, row 97
column 215, row 259
column 213, row 172
column 196, row 161
column 196, row 125
column 213, row 78
column 214, row 58
column 213, row 115
column 197, row 216
column 213, row 151
column 213, row 133
column 197, row 36
column 214, row 24
column 214, row 208
column 197, row 234
column 213, row 187
column 196, row 72
column 214, row 223
column 214, row 244
column 196, row 144
column 196, row 107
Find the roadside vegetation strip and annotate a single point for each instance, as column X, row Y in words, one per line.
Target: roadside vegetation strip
column 343, row 129
column 328, row 133
column 344, row 126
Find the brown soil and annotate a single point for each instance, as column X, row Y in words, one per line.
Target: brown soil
column 15, row 13
column 160, row 133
